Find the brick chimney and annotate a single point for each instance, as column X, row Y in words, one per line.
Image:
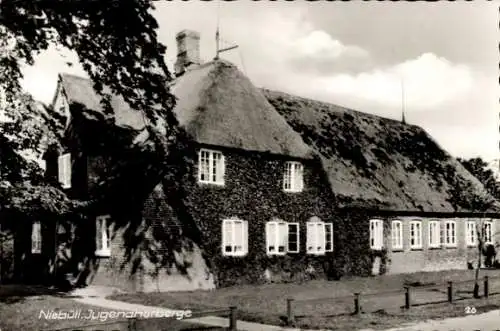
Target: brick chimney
column 188, row 50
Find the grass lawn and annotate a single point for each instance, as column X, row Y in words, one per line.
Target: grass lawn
column 20, row 310
column 323, row 304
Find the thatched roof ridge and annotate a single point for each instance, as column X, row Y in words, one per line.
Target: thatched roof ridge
column 218, row 105
column 375, row 162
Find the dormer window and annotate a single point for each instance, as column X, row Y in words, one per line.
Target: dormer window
column 211, row 167
column 64, row 167
column 293, row 179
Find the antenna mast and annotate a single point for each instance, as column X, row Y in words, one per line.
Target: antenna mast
column 403, row 120
column 218, row 50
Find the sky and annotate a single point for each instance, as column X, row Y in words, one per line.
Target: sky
column 438, row 61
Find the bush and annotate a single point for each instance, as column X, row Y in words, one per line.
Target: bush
column 490, row 254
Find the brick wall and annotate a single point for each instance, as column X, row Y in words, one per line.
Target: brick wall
column 427, row 258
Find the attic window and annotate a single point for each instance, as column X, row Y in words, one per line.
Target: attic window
column 64, row 169
column 293, row 179
column 102, row 236
column 211, row 167
column 36, row 238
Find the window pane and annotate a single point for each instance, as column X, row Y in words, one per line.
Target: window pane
column 271, row 237
column 311, row 236
column 281, row 237
column 328, row 237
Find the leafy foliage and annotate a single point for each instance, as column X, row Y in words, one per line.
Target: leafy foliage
column 479, row 168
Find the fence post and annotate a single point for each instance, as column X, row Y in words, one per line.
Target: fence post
column 357, row 309
column 450, row 291
column 232, row 318
column 486, row 287
column 407, row 297
column 290, row 318
column 132, row 324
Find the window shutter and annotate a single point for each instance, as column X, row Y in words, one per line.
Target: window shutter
column 310, row 242
column 271, row 237
column 245, row 237
column 282, row 234
column 221, row 166
column 227, row 236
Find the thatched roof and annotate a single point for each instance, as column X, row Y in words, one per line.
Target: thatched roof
column 80, row 91
column 216, row 104
column 374, row 162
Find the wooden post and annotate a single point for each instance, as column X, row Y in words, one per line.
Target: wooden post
column 486, row 287
column 232, row 319
column 407, row 297
column 357, row 309
column 290, row 318
column 450, row 291
column 132, row 324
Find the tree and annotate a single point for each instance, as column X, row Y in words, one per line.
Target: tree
column 478, row 168
column 116, row 43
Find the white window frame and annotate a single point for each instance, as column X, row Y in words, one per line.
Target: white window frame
column 376, row 234
column 413, row 224
column 64, row 170
column 316, row 238
column 471, row 233
column 452, row 233
column 293, row 177
column 397, row 234
column 216, row 170
column 103, row 236
column 36, row 238
column 436, row 225
column 274, row 235
column 237, row 249
column 491, row 230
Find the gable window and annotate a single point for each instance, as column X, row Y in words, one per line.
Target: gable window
column 470, row 233
column 415, row 234
column 211, row 167
column 103, row 236
column 64, row 170
column 282, row 237
column 293, row 179
column 234, row 237
column 36, row 238
column 319, row 236
column 450, row 233
column 434, row 234
column 376, row 234
column 488, row 232
column 397, row 234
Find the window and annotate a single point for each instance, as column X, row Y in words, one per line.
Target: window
column 376, row 234
column 470, row 234
column 328, row 237
column 293, row 180
column 36, row 238
column 234, row 237
column 450, row 233
column 103, row 236
column 211, row 167
column 282, row 237
column 488, row 232
column 397, row 234
column 434, row 234
column 415, row 234
column 64, row 169
column 319, row 236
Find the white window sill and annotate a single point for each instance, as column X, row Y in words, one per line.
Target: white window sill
column 316, row 253
column 210, row 183
column 65, row 186
column 291, row 191
column 36, row 252
column 103, row 253
column 434, row 246
column 376, row 248
column 234, row 254
column 450, row 245
column 416, row 248
column 397, row 248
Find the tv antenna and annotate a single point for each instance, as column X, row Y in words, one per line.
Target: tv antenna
column 218, row 40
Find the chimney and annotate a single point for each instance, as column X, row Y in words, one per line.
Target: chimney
column 188, row 50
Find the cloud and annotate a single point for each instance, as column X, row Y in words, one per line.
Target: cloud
column 427, row 81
